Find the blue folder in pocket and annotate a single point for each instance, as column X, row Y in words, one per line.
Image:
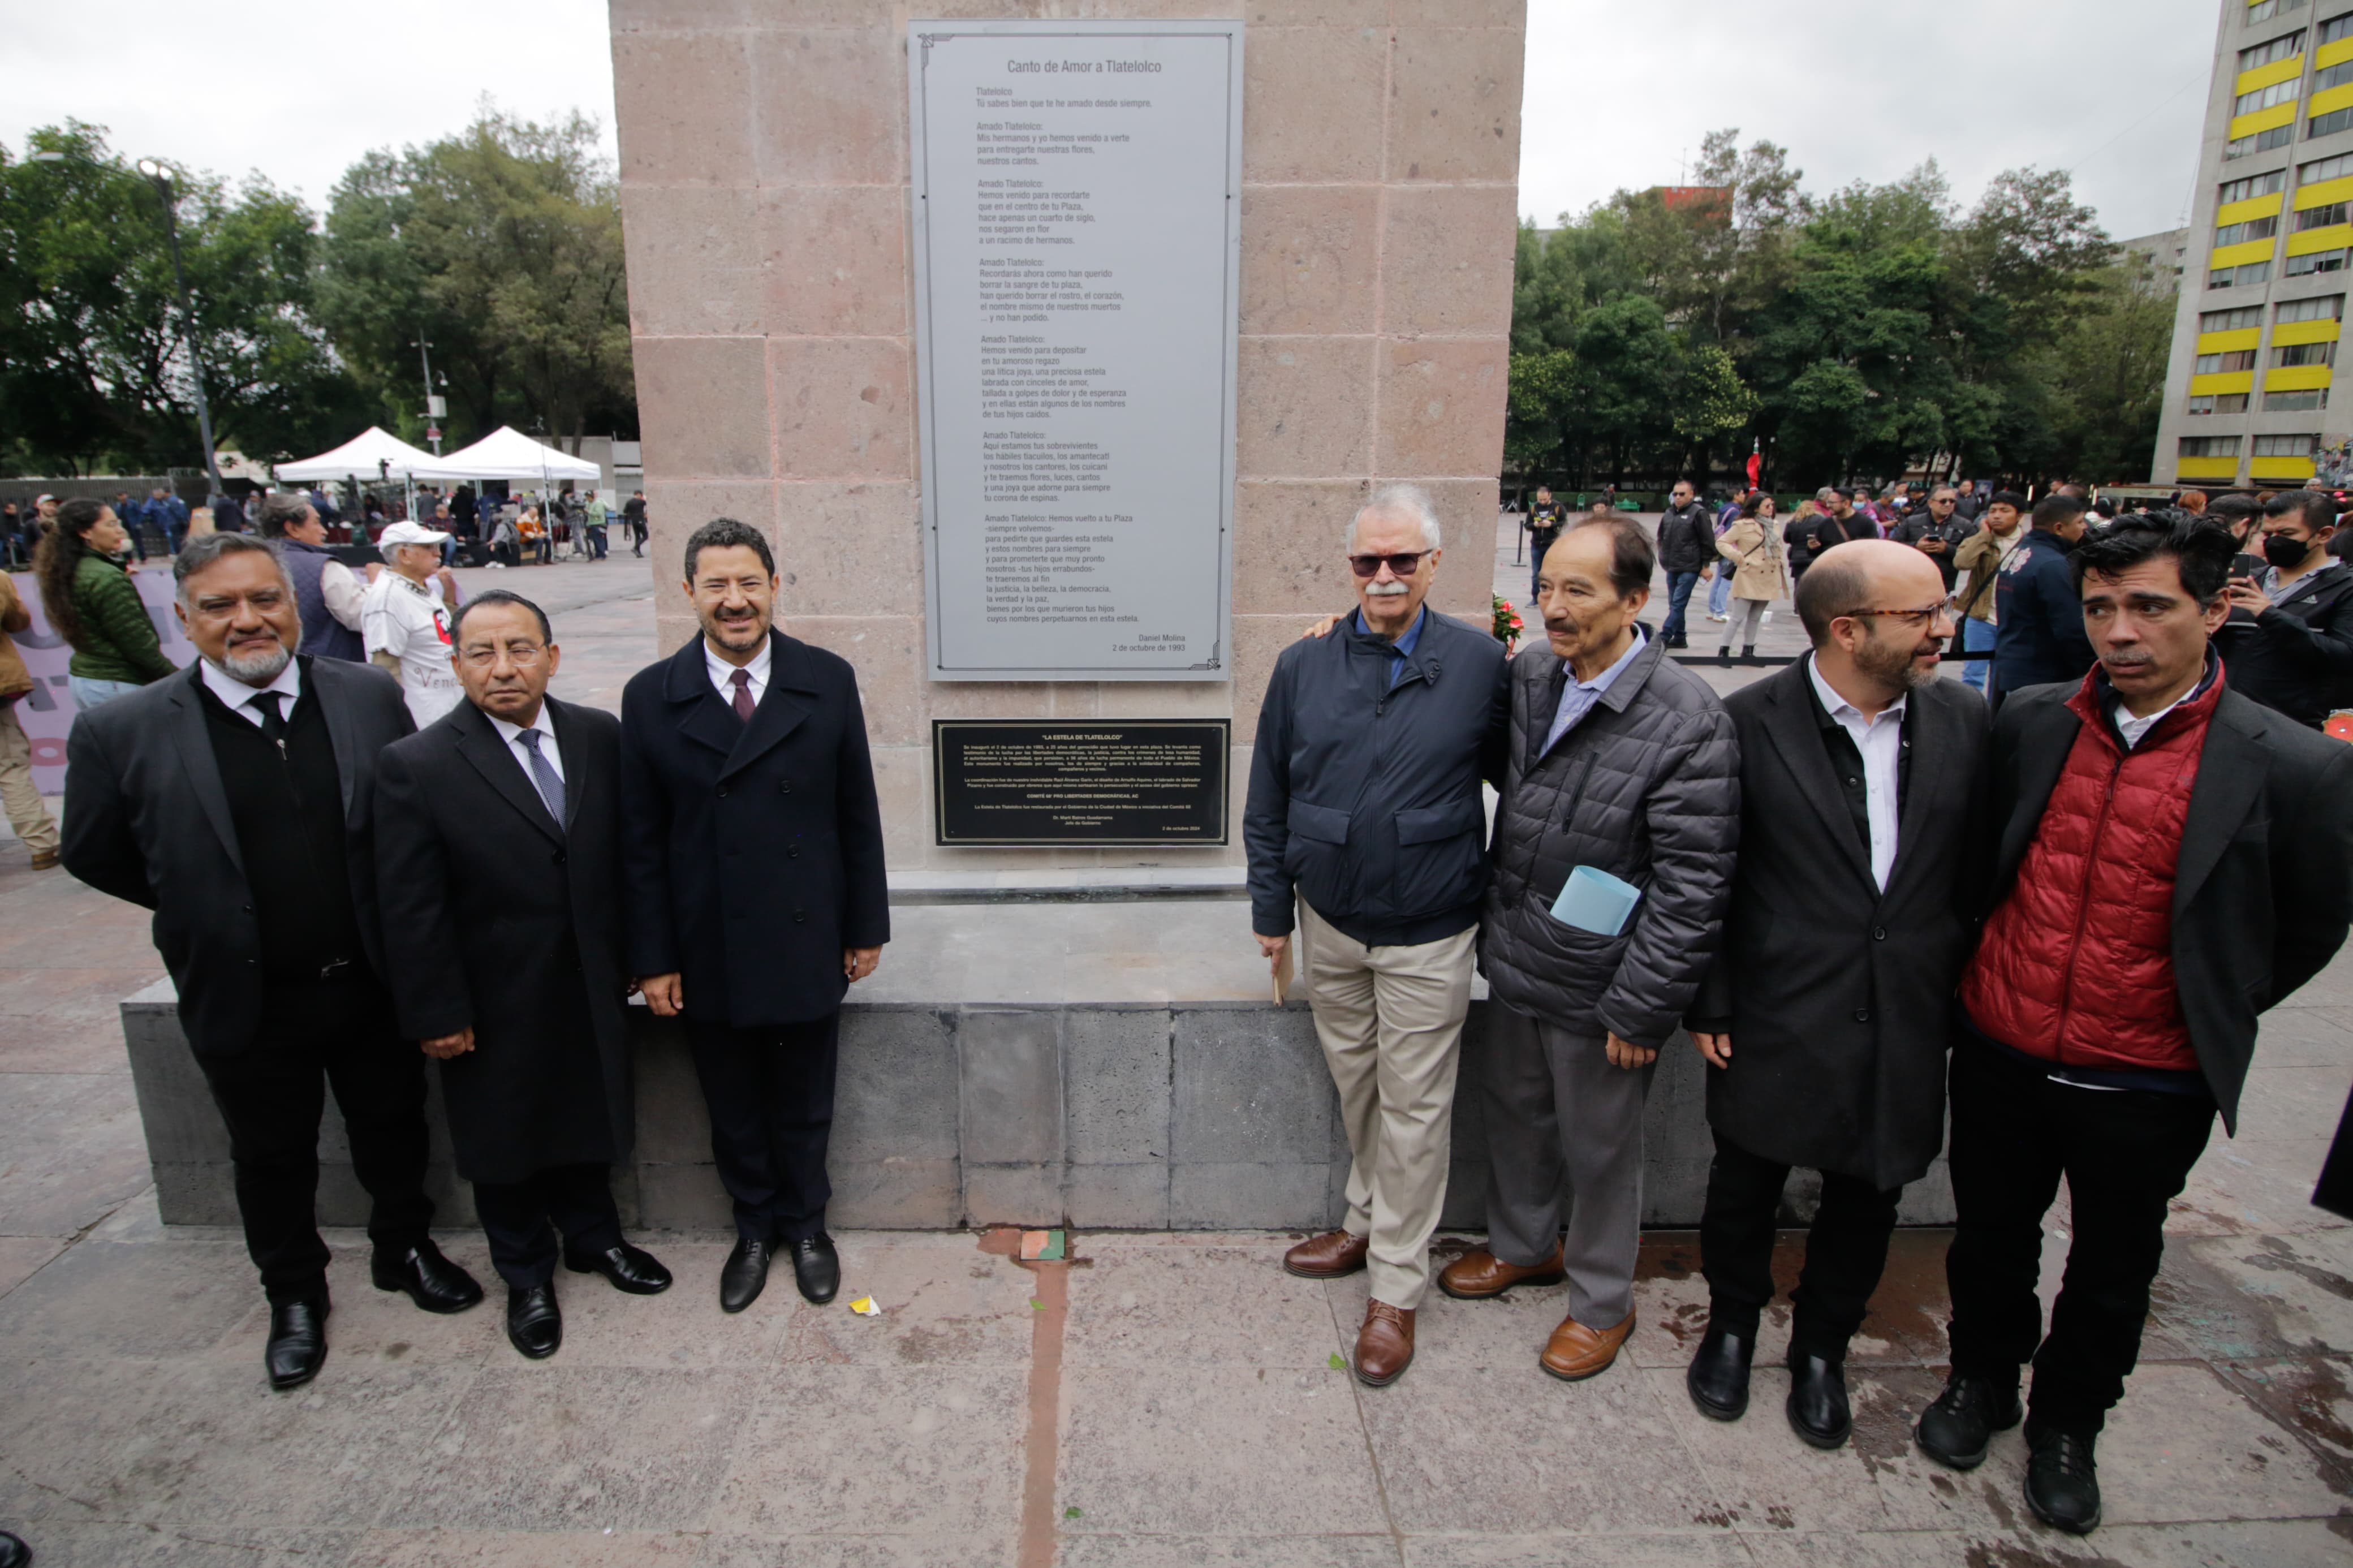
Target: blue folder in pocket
column 1596, row 902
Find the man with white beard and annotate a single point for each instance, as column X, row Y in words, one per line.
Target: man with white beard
column 235, row 800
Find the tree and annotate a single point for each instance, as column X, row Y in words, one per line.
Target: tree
column 503, row 246
column 97, row 363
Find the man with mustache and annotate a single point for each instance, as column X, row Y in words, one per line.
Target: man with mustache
column 237, row 800
column 751, row 858
column 1826, row 1016
column 2170, row 861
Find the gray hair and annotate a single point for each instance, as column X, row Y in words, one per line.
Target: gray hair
column 1401, row 500
column 282, row 511
column 202, row 552
column 1825, row 492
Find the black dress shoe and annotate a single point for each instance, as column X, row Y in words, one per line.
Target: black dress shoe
column 14, row 1552
column 534, row 1322
column 745, row 1276
column 1718, row 1378
column 816, row 1268
column 1956, row 1430
column 429, row 1279
column 629, row 1268
column 298, row 1342
column 1817, row 1407
column 2063, row 1484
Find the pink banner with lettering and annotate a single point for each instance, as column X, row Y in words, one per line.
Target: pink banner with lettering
column 48, row 710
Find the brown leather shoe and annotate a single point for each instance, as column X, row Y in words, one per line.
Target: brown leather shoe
column 44, row 859
column 1479, row 1276
column 1327, row 1257
column 1576, row 1352
column 1385, row 1344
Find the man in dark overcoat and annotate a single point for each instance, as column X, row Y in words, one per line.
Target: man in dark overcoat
column 1825, row 1020
column 498, row 871
column 752, row 855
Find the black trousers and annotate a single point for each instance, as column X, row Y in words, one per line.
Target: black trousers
column 2125, row 1154
column 522, row 1220
column 271, row 1094
column 770, row 1093
column 1846, row 1251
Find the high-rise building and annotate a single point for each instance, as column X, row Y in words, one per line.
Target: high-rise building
column 2262, row 296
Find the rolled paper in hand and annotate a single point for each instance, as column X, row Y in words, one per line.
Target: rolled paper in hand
column 1596, row 902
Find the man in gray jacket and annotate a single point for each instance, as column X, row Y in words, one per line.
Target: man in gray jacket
column 1623, row 762
column 1365, row 808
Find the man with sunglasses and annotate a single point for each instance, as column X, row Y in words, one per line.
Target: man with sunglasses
column 1364, row 813
column 1824, row 1020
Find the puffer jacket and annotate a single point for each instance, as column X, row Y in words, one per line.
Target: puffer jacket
column 1647, row 788
column 1687, row 538
column 2076, row 963
column 118, row 641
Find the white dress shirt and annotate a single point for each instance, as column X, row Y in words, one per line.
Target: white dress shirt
column 1879, row 738
column 346, row 594
column 722, row 674
column 235, row 694
column 513, row 735
column 2133, row 728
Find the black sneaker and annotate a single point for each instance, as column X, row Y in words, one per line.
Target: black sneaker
column 2063, row 1483
column 1956, row 1429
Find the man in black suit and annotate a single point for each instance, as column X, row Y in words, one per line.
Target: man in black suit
column 2171, row 859
column 499, row 858
column 752, row 856
column 1825, row 1018
column 237, row 802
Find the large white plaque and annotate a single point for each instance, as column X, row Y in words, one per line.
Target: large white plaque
column 1076, row 190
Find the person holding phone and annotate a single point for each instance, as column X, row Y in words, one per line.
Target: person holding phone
column 2289, row 641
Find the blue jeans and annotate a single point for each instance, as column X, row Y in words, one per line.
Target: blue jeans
column 89, row 693
column 1679, row 591
column 1719, row 593
column 1977, row 635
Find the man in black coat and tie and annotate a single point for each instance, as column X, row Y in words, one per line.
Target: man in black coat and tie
column 752, row 856
column 1826, row 1016
column 237, row 802
column 499, row 858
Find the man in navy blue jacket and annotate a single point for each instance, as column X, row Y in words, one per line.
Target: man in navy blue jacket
column 2039, row 636
column 752, row 857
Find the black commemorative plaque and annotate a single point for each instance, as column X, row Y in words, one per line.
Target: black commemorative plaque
column 1123, row 781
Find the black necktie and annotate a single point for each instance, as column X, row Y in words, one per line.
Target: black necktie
column 274, row 721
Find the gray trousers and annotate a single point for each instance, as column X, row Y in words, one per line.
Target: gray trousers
column 1559, row 1115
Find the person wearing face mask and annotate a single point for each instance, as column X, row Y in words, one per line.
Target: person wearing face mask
column 2289, row 641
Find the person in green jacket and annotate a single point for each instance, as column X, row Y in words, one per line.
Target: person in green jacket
column 88, row 594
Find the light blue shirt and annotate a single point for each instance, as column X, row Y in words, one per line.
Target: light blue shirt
column 1576, row 700
column 1401, row 649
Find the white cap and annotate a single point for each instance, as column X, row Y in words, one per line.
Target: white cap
column 410, row 534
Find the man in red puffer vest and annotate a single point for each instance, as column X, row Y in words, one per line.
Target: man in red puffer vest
column 2173, row 859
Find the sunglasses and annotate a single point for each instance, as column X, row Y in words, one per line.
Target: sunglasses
column 1401, row 565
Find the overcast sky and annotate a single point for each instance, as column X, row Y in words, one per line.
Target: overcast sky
column 1616, row 92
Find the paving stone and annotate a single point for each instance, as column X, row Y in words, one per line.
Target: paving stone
column 1219, row 1450
column 60, row 1544
column 1012, row 1076
column 2251, row 1543
column 1711, row 1549
column 1290, row 1196
column 896, row 1088
column 993, row 1550
column 20, row 1255
column 2233, row 1298
column 1116, row 1085
column 1141, row 1305
column 74, row 1151
column 945, row 1303
column 143, row 1302
column 1228, row 1551
column 526, row 1548
column 2304, row 1037
column 550, row 1447
column 1250, row 1088
column 1029, row 1195
column 889, row 1195
column 869, row 1450
column 682, row 1327
column 1117, row 1197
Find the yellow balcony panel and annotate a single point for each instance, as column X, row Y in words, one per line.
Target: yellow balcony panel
column 2335, row 237
column 2265, row 120
column 2288, row 332
column 2296, row 469
column 2342, row 49
column 2322, row 191
column 2288, row 70
column 2257, row 250
column 2254, row 207
column 2225, row 342
column 2206, row 468
column 2223, row 381
column 2297, row 378
column 2335, row 98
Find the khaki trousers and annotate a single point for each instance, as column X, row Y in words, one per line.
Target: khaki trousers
column 26, row 813
column 1390, row 1021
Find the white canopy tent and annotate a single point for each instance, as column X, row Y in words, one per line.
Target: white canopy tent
column 373, row 454
column 507, row 453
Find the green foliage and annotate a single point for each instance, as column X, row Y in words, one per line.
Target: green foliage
column 1857, row 336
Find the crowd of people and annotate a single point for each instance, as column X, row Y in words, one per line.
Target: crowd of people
column 1873, row 903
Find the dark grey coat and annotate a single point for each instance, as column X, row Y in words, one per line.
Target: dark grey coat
column 1646, row 788
column 499, row 921
column 147, row 819
column 1838, row 997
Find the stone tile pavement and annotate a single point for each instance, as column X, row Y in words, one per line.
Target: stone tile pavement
column 1163, row 1399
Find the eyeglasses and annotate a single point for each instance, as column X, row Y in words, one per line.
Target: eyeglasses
column 1909, row 618
column 1401, row 565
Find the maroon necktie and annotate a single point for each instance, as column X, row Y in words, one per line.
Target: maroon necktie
column 742, row 681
